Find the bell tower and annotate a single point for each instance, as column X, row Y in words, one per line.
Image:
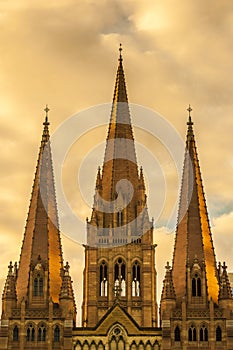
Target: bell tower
column 120, row 254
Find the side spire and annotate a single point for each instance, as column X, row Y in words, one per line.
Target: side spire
column 193, row 235
column 9, row 291
column 225, row 287
column 168, row 291
column 41, row 246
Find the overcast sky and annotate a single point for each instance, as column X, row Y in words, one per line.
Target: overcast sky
column 65, row 54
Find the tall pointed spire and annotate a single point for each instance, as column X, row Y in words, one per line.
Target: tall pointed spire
column 120, row 218
column 120, row 151
column 120, row 185
column 41, row 243
column 193, row 235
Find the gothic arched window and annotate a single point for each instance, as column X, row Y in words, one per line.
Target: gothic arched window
column 93, row 345
column 121, row 344
column 133, row 346
column 35, row 287
column 141, row 345
column 203, row 333
column 120, row 278
column 119, row 218
column 30, row 333
column 196, row 286
column 103, row 279
column 15, row 333
column 218, row 334
column 192, row 333
column 101, row 345
column 42, row 333
column 38, row 286
column 56, row 334
column 117, row 341
column 136, row 279
column 85, row 345
column 177, row 333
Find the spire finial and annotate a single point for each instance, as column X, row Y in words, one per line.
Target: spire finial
column 168, row 267
column 189, row 109
column 46, row 115
column 120, row 50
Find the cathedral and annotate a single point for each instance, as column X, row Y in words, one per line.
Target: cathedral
column 119, row 308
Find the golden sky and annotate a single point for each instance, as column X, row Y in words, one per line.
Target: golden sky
column 65, row 53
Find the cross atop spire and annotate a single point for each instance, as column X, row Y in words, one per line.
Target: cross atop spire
column 189, row 109
column 120, row 50
column 46, row 115
column 190, row 123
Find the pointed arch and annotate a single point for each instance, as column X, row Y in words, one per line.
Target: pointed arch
column 121, row 344
column 78, row 345
column 136, row 279
column 38, row 285
column 41, row 335
column 133, row 346
column 120, row 277
column 113, row 343
column 56, row 334
column 93, row 345
column 16, row 333
column 141, row 345
column 30, row 332
column 156, row 345
column 203, row 336
column 103, row 286
column 101, row 345
column 85, row 345
column 196, row 286
column 218, row 333
column 192, row 333
column 148, row 345
column 177, row 333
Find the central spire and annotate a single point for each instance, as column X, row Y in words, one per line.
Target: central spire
column 126, row 274
column 120, row 197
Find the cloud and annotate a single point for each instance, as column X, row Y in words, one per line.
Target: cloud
column 223, row 238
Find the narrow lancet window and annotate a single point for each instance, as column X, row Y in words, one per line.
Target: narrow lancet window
column 192, row 334
column 196, row 286
column 38, row 286
column 136, row 279
column 41, row 333
column 177, row 333
column 203, row 333
column 218, row 334
column 103, row 279
column 120, row 278
column 30, row 334
column 16, row 333
column 56, row 335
